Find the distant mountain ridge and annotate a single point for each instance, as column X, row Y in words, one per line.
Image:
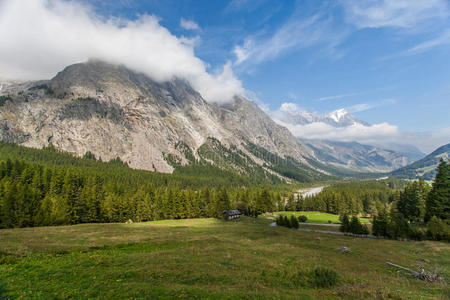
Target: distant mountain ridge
column 112, row 111
column 356, row 156
column 351, row 155
column 426, row 167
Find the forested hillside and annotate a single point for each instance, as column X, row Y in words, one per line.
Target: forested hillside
column 47, row 187
column 355, row 197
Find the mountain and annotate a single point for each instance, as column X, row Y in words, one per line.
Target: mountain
column 426, row 167
column 337, row 118
column 350, row 155
column 410, row 151
column 356, row 156
column 111, row 111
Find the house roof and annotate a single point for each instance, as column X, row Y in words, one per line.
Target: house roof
column 232, row 212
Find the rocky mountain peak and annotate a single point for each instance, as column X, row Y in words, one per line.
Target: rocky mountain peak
column 113, row 111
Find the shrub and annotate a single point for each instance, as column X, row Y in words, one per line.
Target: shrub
column 319, row 278
column 324, row 277
column 329, row 221
column 437, row 230
column 294, row 222
column 416, row 234
column 287, row 223
column 278, row 220
column 302, row 219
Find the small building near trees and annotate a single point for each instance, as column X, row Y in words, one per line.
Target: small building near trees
column 231, row 214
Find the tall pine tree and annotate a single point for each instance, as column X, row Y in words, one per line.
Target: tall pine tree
column 438, row 201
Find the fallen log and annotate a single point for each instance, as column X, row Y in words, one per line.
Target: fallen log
column 422, row 275
column 403, row 268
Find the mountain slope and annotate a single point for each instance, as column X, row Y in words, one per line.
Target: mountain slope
column 112, row 112
column 426, row 167
column 356, row 156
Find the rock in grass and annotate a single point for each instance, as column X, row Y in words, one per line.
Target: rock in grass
column 345, row 250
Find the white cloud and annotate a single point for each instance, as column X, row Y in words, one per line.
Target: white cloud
column 355, row 132
column 393, row 13
column 336, row 97
column 41, row 37
column 189, row 24
column 289, row 107
column 384, row 134
column 297, row 33
column 442, row 39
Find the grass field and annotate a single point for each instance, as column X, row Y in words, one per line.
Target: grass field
column 317, row 217
column 208, row 259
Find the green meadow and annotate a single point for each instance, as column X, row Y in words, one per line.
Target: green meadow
column 317, row 217
column 209, row 259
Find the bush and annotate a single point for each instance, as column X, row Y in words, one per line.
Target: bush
column 319, row 278
column 302, row 219
column 286, row 222
column 329, row 221
column 324, row 277
column 279, row 221
column 294, row 222
column 437, row 230
column 416, row 234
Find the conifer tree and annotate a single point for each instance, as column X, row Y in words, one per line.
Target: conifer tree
column 438, row 201
column 345, row 223
column 222, row 202
column 380, row 224
column 294, row 222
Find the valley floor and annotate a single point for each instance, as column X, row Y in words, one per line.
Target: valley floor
column 208, row 259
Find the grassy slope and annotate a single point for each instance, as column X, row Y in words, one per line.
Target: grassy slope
column 317, row 217
column 208, row 259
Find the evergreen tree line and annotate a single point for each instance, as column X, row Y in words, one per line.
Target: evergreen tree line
column 36, row 195
column 353, row 198
column 292, row 222
column 419, row 211
column 194, row 177
column 353, row 225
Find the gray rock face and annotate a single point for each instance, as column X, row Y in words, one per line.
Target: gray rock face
column 355, row 156
column 112, row 112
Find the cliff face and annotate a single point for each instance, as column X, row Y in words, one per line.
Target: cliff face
column 112, row 111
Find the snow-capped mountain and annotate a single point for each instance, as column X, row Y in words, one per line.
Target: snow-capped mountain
column 337, row 118
column 349, row 153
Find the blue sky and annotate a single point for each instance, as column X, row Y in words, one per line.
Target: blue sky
column 386, row 61
column 335, row 62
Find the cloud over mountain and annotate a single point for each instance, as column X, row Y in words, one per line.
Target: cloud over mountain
column 40, row 37
column 341, row 125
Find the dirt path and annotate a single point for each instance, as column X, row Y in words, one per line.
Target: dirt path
column 369, row 236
